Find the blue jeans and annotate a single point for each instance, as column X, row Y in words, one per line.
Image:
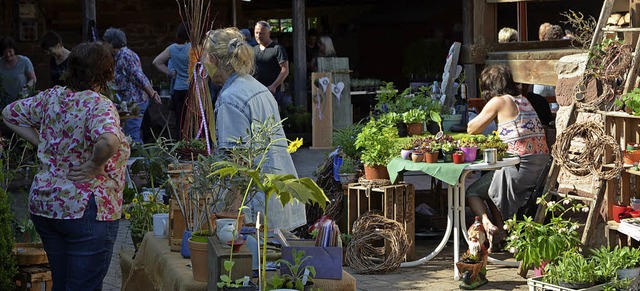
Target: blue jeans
column 79, row 250
column 132, row 125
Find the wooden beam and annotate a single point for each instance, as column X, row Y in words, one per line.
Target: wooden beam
column 484, row 22
column 530, row 71
column 300, row 53
column 88, row 19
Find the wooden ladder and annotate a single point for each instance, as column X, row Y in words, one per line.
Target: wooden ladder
column 595, row 202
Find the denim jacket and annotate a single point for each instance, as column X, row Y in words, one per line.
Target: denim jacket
column 241, row 100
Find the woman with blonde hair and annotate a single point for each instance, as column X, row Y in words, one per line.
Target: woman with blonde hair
column 229, row 61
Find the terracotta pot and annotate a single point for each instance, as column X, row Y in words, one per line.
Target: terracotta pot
column 431, row 157
column 631, row 156
column 417, row 157
column 458, row 158
column 199, row 260
column 414, row 129
column 376, row 172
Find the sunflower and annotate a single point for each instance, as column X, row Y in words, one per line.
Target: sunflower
column 294, row 145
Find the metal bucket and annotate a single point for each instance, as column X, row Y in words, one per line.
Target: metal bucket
column 490, row 156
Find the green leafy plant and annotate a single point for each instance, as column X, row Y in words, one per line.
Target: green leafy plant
column 345, row 138
column 631, row 100
column 375, row 142
column 534, row 243
column 296, row 278
column 573, row 268
column 493, row 141
column 225, row 280
column 348, row 166
column 610, row 260
column 8, row 267
column 448, row 147
column 285, row 187
column 27, row 232
column 414, row 116
column 140, row 212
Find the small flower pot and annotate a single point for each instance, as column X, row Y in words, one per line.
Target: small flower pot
column 376, row 172
column 447, row 157
column 619, row 210
column 417, row 157
column 631, row 156
column 406, row 154
column 346, row 178
column 470, row 153
column 458, row 157
column 431, row 157
column 236, row 245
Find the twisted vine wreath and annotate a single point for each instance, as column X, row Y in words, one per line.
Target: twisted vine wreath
column 366, row 258
column 590, row 160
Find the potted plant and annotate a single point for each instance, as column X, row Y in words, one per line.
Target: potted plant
column 407, row 149
column 535, row 244
column 458, row 157
column 470, row 148
column 631, row 101
column 432, row 151
column 573, row 271
column 140, row 215
column 377, row 150
column 448, row 148
column 348, row 171
column 294, row 276
column 619, row 262
column 414, row 118
column 493, row 141
column 417, row 156
column 345, row 139
column 285, row 187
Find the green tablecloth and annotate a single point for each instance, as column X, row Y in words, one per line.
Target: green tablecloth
column 445, row 172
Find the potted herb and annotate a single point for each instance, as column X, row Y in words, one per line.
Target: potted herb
column 414, row 118
column 432, row 151
column 345, row 138
column 294, row 275
column 573, row 271
column 619, row 262
column 493, row 141
column 348, row 171
column 417, row 156
column 448, row 148
column 377, row 150
column 407, row 149
column 458, row 157
column 470, row 148
column 535, row 244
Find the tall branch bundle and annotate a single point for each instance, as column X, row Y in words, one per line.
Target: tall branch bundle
column 198, row 120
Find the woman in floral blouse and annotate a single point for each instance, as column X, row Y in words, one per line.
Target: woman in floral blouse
column 130, row 81
column 75, row 200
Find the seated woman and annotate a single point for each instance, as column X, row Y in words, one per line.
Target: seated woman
column 506, row 190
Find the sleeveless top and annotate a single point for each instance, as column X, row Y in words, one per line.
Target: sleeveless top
column 524, row 135
column 179, row 56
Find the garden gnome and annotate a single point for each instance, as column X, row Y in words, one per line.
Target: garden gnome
column 473, row 264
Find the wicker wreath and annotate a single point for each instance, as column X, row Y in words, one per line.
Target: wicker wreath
column 589, row 161
column 364, row 253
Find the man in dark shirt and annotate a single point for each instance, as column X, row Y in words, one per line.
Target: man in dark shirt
column 52, row 45
column 272, row 63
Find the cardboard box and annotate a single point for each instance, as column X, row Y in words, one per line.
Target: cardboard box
column 219, row 253
column 326, row 260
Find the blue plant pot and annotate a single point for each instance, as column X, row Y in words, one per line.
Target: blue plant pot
column 184, row 247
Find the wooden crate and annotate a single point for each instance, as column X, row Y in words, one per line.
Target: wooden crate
column 176, row 226
column 396, row 202
column 218, row 253
column 34, row 278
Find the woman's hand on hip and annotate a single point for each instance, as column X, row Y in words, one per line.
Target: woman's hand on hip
column 86, row 172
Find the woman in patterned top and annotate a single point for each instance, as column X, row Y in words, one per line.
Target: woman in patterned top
column 130, row 81
column 75, row 200
column 505, row 191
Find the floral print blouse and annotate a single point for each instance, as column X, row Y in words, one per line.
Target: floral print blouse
column 130, row 80
column 69, row 124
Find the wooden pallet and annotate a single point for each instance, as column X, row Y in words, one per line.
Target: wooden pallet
column 34, row 278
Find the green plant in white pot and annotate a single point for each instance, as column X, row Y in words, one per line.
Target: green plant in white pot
column 348, row 171
column 620, row 262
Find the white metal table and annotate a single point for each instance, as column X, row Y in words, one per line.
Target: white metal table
column 455, row 215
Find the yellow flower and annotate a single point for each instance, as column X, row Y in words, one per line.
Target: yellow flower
column 134, row 200
column 127, row 216
column 294, row 145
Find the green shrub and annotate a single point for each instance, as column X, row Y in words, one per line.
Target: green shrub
column 8, row 267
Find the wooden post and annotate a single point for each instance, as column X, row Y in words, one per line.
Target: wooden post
column 88, row 20
column 467, row 40
column 341, row 104
column 300, row 53
column 321, row 111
